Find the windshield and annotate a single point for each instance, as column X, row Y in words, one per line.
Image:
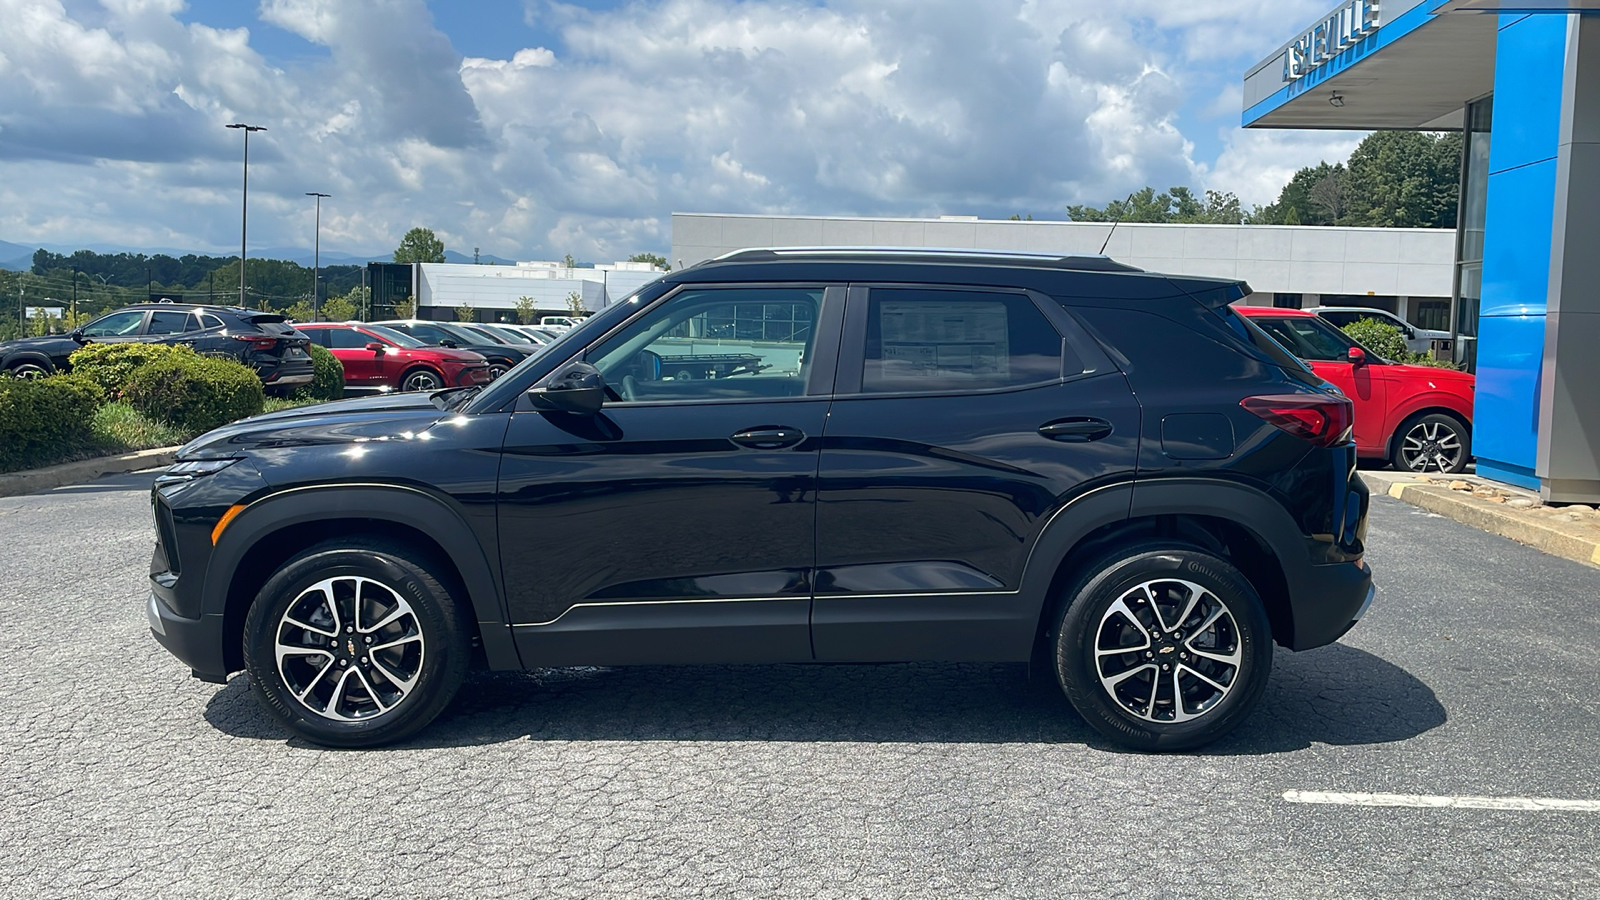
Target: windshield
column 460, row 335
column 509, row 335
column 397, row 338
column 1309, row 337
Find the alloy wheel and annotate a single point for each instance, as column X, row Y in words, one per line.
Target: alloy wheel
column 422, row 381
column 349, row 648
column 28, row 370
column 1168, row 651
column 1431, row 445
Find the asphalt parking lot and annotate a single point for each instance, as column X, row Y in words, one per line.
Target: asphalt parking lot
column 1476, row 674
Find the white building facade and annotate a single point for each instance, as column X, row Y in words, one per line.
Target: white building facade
column 1408, row 271
column 493, row 291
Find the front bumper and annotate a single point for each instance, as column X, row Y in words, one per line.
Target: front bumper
column 195, row 642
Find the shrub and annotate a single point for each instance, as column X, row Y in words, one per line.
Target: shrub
column 195, row 393
column 1388, row 342
column 46, row 420
column 328, row 382
column 112, row 365
column 1382, row 339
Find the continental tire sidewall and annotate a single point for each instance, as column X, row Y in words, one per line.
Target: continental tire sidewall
column 445, row 657
column 1107, row 581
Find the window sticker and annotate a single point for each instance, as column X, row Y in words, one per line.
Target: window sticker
column 944, row 339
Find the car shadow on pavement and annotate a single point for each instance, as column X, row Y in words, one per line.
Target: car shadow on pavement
column 1335, row 695
column 131, row 481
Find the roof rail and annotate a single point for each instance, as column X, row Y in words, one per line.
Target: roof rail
column 1084, row 263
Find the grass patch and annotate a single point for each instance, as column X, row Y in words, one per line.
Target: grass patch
column 274, row 404
column 119, row 428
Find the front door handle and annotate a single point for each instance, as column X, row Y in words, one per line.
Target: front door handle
column 1080, row 430
column 769, row 437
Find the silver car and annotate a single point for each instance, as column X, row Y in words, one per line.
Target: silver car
column 1418, row 340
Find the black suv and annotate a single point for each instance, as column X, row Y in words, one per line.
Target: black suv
column 261, row 340
column 954, row 457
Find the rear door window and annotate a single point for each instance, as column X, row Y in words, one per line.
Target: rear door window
column 922, row 340
column 164, row 321
column 347, row 339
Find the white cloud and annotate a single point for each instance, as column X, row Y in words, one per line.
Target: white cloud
column 110, row 128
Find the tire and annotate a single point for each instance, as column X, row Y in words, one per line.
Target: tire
column 30, row 369
column 1127, row 697
column 352, row 696
column 1432, row 443
column 498, row 367
column 421, row 380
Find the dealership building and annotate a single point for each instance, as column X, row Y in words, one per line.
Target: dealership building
column 1521, row 79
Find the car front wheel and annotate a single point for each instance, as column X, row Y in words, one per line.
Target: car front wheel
column 354, row 644
column 421, row 380
column 1163, row 648
column 29, row 370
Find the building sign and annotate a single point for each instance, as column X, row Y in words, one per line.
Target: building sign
column 1342, row 29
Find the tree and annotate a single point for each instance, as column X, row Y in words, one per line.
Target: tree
column 360, row 300
column 338, row 309
column 404, row 309
column 300, row 311
column 1328, row 195
column 465, row 313
column 525, row 310
column 419, row 246
column 1405, row 179
column 1017, row 217
column 653, row 259
column 1177, row 205
column 569, row 261
column 575, row 305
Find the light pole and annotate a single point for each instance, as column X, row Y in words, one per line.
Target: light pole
column 316, row 258
column 244, row 216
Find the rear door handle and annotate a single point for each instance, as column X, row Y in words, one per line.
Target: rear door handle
column 1079, row 430
column 769, row 437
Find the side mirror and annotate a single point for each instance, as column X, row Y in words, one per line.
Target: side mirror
column 1358, row 356
column 375, row 347
column 77, row 335
column 579, row 388
column 450, row 344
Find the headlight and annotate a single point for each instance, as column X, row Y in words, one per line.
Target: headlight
column 189, row 471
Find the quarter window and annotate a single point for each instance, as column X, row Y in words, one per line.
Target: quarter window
column 1308, row 338
column 715, row 345
column 930, row 340
column 167, row 322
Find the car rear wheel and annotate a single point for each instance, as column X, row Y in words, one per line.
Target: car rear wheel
column 1163, row 648
column 421, row 380
column 354, row 644
column 498, row 367
column 1432, row 443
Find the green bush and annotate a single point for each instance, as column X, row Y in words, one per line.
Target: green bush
column 46, row 420
column 1390, row 343
column 112, row 365
column 195, row 393
column 328, row 383
column 1385, row 340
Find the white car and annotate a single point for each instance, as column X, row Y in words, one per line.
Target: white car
column 1418, row 340
column 558, row 324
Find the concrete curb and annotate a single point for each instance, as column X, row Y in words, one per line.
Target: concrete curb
column 14, row 484
column 1574, row 536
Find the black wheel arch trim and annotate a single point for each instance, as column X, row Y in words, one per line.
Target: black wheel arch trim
column 31, row 356
column 411, row 507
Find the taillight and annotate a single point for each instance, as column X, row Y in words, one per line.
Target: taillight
column 1322, row 419
column 258, row 341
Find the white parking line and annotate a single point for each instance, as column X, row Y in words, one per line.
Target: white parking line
column 1424, row 801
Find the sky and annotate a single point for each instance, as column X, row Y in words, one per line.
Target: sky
column 533, row 128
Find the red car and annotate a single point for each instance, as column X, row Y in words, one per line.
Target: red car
column 1418, row 418
column 376, row 358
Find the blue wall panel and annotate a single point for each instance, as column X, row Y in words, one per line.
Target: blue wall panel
column 1530, row 61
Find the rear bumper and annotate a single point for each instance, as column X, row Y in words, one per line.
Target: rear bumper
column 1328, row 601
column 277, row 378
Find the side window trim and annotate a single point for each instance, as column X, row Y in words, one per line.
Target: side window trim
column 853, row 347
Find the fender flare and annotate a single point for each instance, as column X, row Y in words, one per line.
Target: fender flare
column 34, row 356
column 412, row 507
column 1444, row 402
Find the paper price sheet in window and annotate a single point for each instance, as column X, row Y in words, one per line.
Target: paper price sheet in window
column 944, row 340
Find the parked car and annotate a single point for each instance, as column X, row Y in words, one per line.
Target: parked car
column 264, row 341
column 1418, row 340
column 500, row 334
column 376, row 358
column 558, row 324
column 942, row 456
column 1419, row 418
column 531, row 335
column 501, row 356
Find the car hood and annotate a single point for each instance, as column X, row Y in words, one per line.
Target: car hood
column 53, row 343
column 380, row 418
